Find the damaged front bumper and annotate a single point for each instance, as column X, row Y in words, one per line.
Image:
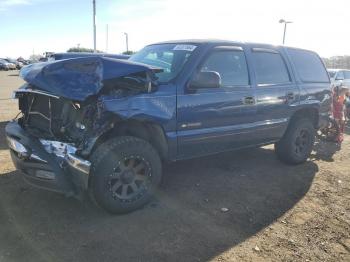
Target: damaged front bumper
column 48, row 164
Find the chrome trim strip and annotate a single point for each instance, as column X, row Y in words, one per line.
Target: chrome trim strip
column 78, row 163
column 55, row 147
column 204, row 133
column 38, row 158
column 67, row 151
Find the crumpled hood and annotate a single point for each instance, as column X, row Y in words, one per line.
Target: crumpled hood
column 80, row 78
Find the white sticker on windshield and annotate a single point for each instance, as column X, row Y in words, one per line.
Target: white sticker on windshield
column 185, row 47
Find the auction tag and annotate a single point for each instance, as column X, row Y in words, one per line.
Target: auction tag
column 185, row 47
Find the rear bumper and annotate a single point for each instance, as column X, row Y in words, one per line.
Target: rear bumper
column 47, row 164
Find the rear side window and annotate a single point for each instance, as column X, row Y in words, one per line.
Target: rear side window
column 269, row 68
column 231, row 65
column 340, row 76
column 347, row 74
column 309, row 66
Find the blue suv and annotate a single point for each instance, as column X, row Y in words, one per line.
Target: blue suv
column 104, row 126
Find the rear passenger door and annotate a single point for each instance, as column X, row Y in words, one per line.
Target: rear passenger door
column 276, row 93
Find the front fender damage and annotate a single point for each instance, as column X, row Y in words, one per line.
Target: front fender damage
column 112, row 111
column 78, row 100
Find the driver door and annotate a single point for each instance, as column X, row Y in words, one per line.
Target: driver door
column 213, row 120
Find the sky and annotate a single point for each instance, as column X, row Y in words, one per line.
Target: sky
column 37, row 26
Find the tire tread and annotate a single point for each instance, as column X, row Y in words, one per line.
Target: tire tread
column 104, row 150
column 282, row 147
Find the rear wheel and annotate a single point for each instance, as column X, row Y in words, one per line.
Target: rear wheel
column 297, row 143
column 125, row 173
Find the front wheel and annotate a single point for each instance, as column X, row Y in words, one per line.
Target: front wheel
column 296, row 145
column 125, row 173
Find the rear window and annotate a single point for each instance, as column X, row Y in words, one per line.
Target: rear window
column 309, row 66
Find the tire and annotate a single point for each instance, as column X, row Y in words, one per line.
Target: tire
column 125, row 174
column 296, row 145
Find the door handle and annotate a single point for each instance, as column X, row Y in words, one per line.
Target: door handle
column 248, row 100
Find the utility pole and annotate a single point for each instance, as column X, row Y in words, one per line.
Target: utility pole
column 284, row 32
column 282, row 21
column 106, row 38
column 94, row 23
column 127, row 41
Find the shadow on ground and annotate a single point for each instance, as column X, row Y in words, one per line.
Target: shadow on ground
column 3, row 144
column 184, row 223
column 325, row 150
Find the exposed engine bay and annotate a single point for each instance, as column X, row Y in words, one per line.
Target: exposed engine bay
column 51, row 117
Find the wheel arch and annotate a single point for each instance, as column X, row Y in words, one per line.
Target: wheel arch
column 311, row 113
column 146, row 130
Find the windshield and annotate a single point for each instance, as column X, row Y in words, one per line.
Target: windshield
column 170, row 57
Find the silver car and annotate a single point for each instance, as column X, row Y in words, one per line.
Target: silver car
column 339, row 76
column 4, row 65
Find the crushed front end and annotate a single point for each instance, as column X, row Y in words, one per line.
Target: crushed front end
column 62, row 117
column 44, row 142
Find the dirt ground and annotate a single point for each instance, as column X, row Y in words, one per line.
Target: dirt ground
column 275, row 212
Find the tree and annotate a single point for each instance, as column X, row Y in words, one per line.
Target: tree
column 82, row 49
column 35, row 57
column 338, row 62
column 128, row 52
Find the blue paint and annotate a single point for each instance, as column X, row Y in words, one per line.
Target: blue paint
column 79, row 78
column 69, row 55
column 195, row 122
column 157, row 107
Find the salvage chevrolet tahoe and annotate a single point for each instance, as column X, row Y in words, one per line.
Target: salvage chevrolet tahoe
column 104, row 126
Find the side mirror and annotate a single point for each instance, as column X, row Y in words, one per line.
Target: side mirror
column 208, row 79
